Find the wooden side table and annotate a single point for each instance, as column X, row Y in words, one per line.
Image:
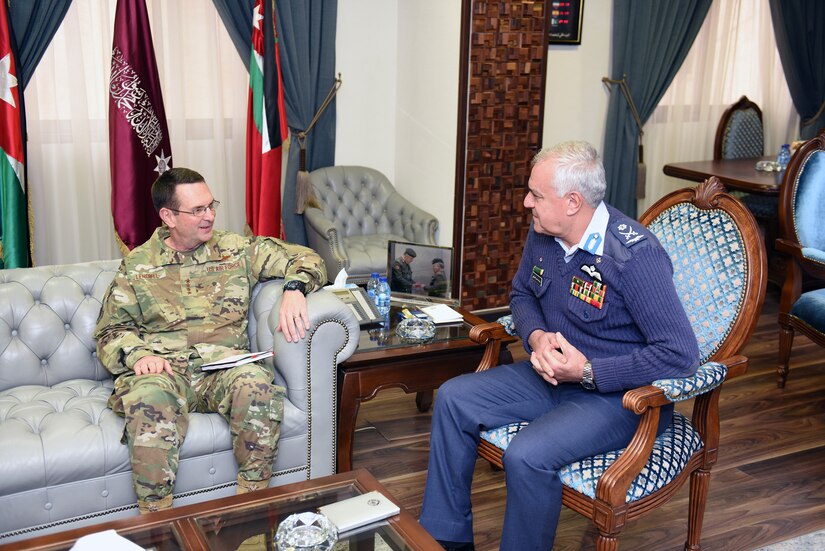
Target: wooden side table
column 419, row 368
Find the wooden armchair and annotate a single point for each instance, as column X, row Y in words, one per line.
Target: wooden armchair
column 720, row 275
column 802, row 239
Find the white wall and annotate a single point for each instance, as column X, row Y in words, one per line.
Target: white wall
column 575, row 107
column 427, row 111
column 366, row 57
column 397, row 109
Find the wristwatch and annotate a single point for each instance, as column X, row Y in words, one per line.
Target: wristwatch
column 587, row 377
column 295, row 285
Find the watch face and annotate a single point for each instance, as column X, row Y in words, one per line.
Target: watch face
column 294, row 286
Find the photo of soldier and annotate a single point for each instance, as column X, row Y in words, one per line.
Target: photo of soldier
column 402, row 279
column 438, row 283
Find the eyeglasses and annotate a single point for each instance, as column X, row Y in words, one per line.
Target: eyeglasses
column 200, row 211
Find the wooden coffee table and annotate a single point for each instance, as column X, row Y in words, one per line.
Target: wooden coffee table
column 382, row 361
column 227, row 522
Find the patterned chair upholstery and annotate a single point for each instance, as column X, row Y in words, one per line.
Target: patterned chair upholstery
column 358, row 213
column 740, row 135
column 719, row 273
column 802, row 239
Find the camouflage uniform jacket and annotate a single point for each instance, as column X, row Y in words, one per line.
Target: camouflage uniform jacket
column 402, row 279
column 191, row 308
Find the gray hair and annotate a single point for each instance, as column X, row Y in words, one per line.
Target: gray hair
column 578, row 168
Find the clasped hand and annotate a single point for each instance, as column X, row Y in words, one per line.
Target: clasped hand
column 555, row 359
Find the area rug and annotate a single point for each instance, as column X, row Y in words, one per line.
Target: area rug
column 814, row 540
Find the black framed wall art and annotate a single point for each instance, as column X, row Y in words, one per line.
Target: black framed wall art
column 566, row 21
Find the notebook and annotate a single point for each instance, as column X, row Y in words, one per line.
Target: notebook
column 359, row 510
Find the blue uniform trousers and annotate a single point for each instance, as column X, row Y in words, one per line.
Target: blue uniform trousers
column 567, row 423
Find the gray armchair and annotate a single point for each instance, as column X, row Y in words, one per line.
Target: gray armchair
column 358, row 212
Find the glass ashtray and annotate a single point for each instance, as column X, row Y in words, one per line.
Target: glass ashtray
column 306, row 532
column 414, row 330
column 768, row 166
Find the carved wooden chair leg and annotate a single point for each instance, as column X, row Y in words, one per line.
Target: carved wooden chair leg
column 785, row 344
column 699, row 486
column 607, row 543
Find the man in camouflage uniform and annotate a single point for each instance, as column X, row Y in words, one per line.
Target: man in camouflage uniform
column 402, row 280
column 179, row 301
column 438, row 283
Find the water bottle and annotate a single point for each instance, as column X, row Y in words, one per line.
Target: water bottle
column 372, row 285
column 382, row 294
column 784, row 156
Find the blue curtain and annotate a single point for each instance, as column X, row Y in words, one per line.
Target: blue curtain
column 650, row 41
column 34, row 23
column 307, row 30
column 799, row 28
column 237, row 18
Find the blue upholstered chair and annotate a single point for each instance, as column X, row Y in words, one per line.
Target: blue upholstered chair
column 720, row 274
column 802, row 239
column 740, row 135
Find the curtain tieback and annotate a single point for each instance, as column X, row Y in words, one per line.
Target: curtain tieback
column 641, row 170
column 304, row 196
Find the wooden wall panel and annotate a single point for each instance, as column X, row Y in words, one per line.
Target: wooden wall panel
column 506, row 61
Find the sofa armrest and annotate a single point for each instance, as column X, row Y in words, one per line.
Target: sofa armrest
column 323, row 236
column 308, row 368
column 414, row 223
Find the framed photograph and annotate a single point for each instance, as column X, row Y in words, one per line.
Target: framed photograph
column 416, row 269
column 566, row 21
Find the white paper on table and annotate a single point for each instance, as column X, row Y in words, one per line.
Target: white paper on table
column 441, row 313
column 108, row 540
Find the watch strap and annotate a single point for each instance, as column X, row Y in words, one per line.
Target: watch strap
column 296, row 285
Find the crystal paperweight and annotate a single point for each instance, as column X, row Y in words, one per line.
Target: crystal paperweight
column 415, row 330
column 306, row 532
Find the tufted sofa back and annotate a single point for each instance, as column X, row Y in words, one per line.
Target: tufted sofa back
column 362, row 201
column 47, row 317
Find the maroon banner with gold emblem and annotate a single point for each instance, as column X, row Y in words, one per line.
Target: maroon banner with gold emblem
column 139, row 147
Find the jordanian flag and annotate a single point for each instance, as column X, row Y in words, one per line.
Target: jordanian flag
column 266, row 126
column 14, row 214
column 139, row 149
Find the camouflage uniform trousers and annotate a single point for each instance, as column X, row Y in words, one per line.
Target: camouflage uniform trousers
column 157, row 406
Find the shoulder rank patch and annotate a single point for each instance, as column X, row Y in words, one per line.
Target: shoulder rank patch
column 628, row 234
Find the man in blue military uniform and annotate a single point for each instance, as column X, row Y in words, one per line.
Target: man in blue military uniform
column 594, row 304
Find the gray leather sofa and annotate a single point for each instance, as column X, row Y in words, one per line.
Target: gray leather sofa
column 360, row 211
column 61, row 461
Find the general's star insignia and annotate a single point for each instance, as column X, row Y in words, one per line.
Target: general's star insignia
column 163, row 163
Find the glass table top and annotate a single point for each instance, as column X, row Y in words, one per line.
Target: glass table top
column 382, row 336
column 253, row 527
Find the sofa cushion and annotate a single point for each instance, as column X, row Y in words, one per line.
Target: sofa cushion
column 47, row 316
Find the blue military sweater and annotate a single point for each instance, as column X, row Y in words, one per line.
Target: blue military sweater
column 639, row 334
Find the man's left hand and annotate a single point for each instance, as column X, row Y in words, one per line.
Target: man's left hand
column 561, row 358
column 293, row 319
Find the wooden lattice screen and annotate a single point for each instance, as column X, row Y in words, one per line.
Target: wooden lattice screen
column 506, row 52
